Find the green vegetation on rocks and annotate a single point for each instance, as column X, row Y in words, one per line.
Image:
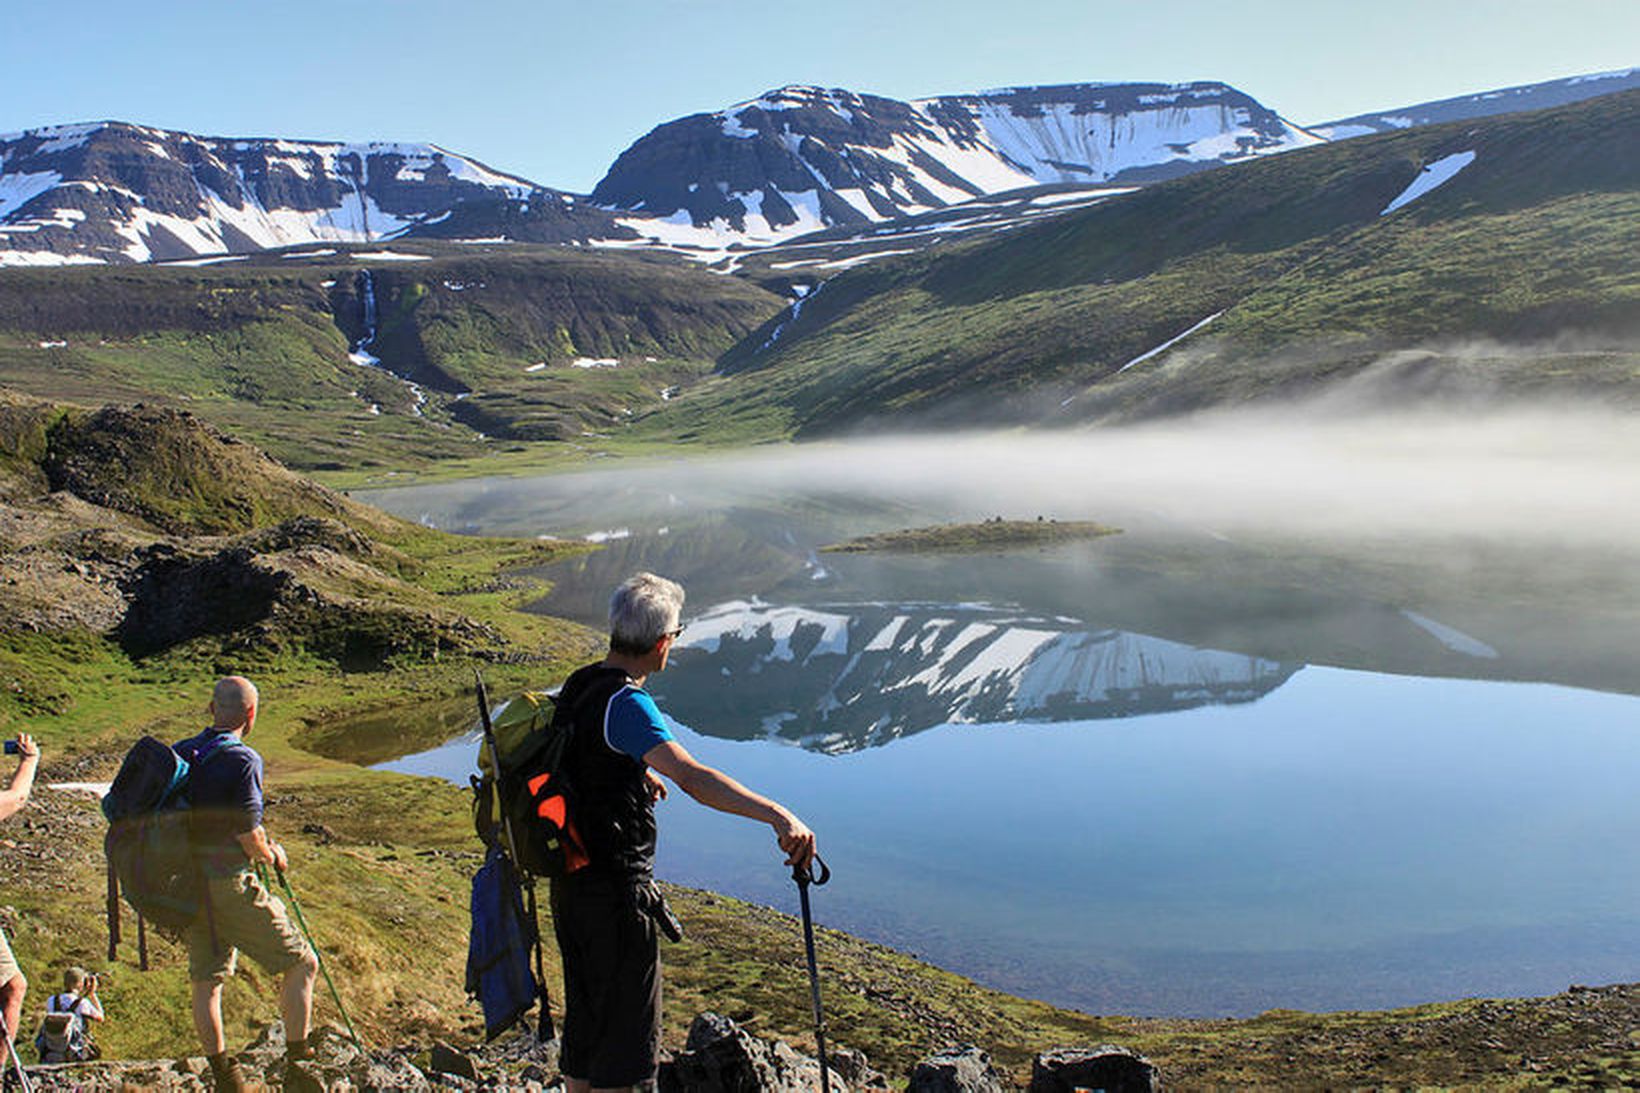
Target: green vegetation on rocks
column 993, row 534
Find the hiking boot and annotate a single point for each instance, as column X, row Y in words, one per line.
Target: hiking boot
column 302, row 1076
column 229, row 1078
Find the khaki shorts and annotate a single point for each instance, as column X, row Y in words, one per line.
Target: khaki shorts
column 8, row 963
column 242, row 916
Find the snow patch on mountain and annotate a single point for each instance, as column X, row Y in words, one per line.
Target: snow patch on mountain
column 1433, row 175
column 17, row 190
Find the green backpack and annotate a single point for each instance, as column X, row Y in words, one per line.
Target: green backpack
column 527, row 807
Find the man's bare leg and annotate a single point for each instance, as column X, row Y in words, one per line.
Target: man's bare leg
column 11, row 1003
column 208, row 1015
column 296, row 998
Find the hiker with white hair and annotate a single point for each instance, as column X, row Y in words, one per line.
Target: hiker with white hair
column 606, row 914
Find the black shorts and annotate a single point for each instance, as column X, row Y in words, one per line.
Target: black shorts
column 612, row 981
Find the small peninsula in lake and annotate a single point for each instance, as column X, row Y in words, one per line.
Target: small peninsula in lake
column 993, row 534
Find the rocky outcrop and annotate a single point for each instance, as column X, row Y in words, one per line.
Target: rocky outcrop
column 1108, row 1067
column 180, row 474
column 515, row 1063
column 956, row 1070
column 158, row 529
column 721, row 1057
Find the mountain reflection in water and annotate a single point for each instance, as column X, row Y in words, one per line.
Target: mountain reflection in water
column 1161, row 814
column 846, row 677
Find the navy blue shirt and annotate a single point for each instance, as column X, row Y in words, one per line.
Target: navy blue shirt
column 225, row 793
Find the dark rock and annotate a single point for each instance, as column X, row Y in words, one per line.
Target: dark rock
column 721, row 1057
column 956, row 1070
column 447, row 1060
column 855, row 1069
column 1107, row 1067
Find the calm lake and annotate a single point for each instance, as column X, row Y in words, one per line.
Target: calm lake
column 1222, row 762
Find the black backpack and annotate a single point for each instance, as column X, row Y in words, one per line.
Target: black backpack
column 527, row 807
column 149, row 845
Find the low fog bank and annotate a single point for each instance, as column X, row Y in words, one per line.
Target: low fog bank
column 1570, row 476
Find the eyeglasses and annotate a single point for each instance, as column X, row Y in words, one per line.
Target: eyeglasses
column 673, row 634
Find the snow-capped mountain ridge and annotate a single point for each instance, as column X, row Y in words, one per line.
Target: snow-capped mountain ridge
column 116, row 192
column 800, row 158
column 1481, row 104
column 793, row 161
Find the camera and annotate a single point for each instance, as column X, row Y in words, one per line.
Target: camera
column 13, row 747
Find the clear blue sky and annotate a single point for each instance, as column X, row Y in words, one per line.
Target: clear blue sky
column 554, row 91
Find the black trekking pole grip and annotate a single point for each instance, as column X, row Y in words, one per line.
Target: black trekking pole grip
column 804, row 874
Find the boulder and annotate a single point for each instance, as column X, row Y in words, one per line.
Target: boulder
column 855, row 1069
column 721, row 1057
column 1107, row 1067
column 447, row 1060
column 956, row 1070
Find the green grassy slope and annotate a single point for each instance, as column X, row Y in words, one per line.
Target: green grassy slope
column 1530, row 246
column 509, row 326
column 260, row 346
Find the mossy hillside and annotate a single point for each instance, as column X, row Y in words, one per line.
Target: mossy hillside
column 214, row 547
column 507, row 331
column 1291, row 249
column 483, row 319
column 260, row 346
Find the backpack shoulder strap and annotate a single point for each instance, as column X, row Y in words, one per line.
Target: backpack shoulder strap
column 223, row 745
column 583, row 686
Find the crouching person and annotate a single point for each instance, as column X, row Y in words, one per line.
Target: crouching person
column 240, row 915
column 65, row 1034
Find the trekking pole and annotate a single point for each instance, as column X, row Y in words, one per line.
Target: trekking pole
column 301, row 921
column 802, row 875
column 16, row 1060
column 544, row 1030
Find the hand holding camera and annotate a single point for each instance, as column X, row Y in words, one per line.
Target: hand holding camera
column 24, row 745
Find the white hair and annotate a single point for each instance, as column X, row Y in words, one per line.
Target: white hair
column 642, row 611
